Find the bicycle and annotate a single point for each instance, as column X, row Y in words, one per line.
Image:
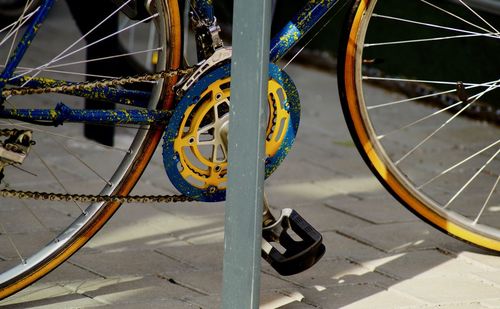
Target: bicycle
column 190, row 115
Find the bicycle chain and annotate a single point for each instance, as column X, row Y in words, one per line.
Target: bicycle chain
column 89, row 198
column 119, row 81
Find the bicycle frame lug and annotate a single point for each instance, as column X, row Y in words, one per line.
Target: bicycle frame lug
column 298, row 255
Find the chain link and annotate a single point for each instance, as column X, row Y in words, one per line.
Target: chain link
column 90, row 86
column 88, row 198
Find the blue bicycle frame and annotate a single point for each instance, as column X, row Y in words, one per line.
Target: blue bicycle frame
column 281, row 44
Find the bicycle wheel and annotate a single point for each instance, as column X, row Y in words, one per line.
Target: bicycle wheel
column 37, row 236
column 419, row 89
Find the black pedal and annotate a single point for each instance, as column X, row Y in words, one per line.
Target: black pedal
column 291, row 254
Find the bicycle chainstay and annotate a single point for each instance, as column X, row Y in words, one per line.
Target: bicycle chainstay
column 88, row 198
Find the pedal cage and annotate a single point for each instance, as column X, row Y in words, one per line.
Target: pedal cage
column 298, row 255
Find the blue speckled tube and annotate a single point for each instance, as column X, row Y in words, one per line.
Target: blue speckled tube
column 204, row 8
column 63, row 113
column 298, row 26
column 26, row 40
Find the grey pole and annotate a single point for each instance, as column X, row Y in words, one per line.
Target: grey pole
column 243, row 219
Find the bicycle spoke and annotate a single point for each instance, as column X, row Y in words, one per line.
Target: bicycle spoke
column 430, row 25
column 43, row 225
column 411, row 124
column 90, row 31
column 62, row 156
column 16, row 25
column 458, row 164
column 424, row 81
column 481, row 18
column 64, row 55
column 442, row 126
column 24, row 170
column 434, row 94
column 425, row 40
column 419, row 81
column 12, row 25
column 470, row 180
column 381, row 136
column 412, row 99
column 13, row 28
column 79, row 159
column 487, row 200
column 149, row 50
column 26, row 70
column 4, row 231
column 84, row 140
column 53, row 174
column 458, row 17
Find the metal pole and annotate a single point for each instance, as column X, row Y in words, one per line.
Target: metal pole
column 243, row 222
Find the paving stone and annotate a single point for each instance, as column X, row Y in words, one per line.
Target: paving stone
column 314, row 191
column 409, row 236
column 467, row 305
column 458, row 289
column 201, row 256
column 154, row 304
column 320, row 216
column 58, row 302
column 491, row 276
column 128, row 263
column 195, row 210
column 477, row 255
column 202, row 301
column 358, row 296
column 47, row 295
column 271, row 299
column 301, row 166
column 491, row 303
column 376, row 210
column 209, row 282
column 27, row 244
column 155, row 228
column 300, row 193
column 129, row 289
column 69, row 272
column 337, row 272
column 154, row 224
column 428, row 263
column 343, row 246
